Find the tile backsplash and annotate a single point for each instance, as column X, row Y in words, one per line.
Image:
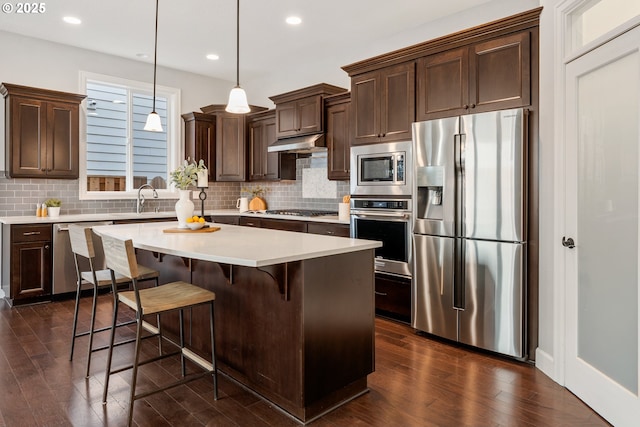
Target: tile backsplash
column 20, row 196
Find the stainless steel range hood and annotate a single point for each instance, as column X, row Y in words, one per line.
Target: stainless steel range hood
column 300, row 144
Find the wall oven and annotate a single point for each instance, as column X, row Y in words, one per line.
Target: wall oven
column 389, row 221
column 381, row 169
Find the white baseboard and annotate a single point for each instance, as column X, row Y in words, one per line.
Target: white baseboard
column 546, row 364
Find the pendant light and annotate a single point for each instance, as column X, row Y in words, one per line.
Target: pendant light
column 237, row 97
column 154, row 124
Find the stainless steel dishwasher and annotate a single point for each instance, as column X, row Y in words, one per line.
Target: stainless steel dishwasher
column 64, row 269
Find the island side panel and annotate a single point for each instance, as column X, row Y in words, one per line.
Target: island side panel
column 258, row 328
column 339, row 321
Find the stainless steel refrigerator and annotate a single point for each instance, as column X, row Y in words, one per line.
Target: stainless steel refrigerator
column 469, row 229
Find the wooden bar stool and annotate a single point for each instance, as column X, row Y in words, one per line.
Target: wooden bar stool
column 121, row 259
column 82, row 247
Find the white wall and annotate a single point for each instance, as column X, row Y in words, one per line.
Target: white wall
column 32, row 62
column 326, row 69
column 545, row 359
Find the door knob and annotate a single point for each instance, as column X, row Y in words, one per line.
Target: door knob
column 568, row 243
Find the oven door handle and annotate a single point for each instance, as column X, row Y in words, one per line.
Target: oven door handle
column 381, row 215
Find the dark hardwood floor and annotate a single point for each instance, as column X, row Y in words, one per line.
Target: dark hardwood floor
column 418, row 382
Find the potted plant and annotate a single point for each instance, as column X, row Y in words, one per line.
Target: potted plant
column 183, row 177
column 53, row 207
column 257, row 203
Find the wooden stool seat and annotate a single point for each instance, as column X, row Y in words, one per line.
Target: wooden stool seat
column 104, row 276
column 170, row 296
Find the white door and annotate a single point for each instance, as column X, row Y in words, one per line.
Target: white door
column 602, row 206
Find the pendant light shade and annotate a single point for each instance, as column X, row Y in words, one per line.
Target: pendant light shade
column 237, row 101
column 237, row 97
column 153, row 123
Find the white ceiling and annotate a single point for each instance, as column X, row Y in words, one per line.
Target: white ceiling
column 190, row 29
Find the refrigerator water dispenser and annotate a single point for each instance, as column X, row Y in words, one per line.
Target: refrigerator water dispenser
column 430, row 186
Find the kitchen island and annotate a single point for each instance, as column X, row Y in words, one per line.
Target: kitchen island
column 294, row 311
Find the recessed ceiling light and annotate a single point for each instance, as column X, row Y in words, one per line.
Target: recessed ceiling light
column 142, row 55
column 117, row 101
column 72, row 20
column 213, row 57
column 294, row 20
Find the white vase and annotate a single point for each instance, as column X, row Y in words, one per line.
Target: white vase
column 184, row 208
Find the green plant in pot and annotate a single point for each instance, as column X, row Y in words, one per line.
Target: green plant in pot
column 53, row 207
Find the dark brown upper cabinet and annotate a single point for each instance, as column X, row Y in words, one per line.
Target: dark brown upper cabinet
column 265, row 166
column 338, row 128
column 301, row 112
column 200, row 140
column 231, row 144
column 485, row 76
column 42, row 132
column 383, row 104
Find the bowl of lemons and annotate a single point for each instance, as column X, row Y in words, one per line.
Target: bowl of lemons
column 195, row 222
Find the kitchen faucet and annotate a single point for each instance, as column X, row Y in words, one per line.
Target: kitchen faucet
column 140, row 201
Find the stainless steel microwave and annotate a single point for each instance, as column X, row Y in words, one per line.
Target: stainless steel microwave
column 381, row 169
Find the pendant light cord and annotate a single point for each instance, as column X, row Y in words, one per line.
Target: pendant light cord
column 155, row 60
column 237, row 44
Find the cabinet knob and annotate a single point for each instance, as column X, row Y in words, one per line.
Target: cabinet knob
column 465, row 106
column 473, row 105
column 46, row 247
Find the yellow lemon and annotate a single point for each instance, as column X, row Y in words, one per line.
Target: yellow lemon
column 201, row 220
column 195, row 218
column 189, row 219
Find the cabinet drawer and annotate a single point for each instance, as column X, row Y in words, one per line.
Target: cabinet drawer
column 340, row 230
column 283, row 224
column 226, row 219
column 393, row 297
column 250, row 222
column 30, row 233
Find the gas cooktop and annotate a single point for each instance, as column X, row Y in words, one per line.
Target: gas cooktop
column 300, row 212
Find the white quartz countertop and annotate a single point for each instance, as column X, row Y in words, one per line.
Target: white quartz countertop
column 237, row 245
column 115, row 216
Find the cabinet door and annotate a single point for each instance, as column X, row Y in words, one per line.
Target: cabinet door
column 310, row 115
column 257, row 150
column 263, row 166
column 338, row 141
column 500, row 71
column 286, row 119
column 443, row 85
column 272, row 165
column 366, row 108
column 230, row 148
column 30, row 269
column 62, row 140
column 199, row 140
column 27, row 148
column 397, row 102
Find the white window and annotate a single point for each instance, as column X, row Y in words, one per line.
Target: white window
column 116, row 154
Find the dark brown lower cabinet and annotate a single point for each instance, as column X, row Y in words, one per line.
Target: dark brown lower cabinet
column 28, row 267
column 393, row 297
